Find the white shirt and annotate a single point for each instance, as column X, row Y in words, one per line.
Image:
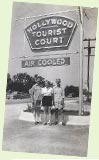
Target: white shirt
column 47, row 91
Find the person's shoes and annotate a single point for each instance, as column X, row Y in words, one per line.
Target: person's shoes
column 38, row 122
column 50, row 124
column 35, row 123
column 56, row 123
column 63, row 124
column 45, row 123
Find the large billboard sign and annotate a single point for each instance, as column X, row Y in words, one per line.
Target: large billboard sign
column 46, row 62
column 50, row 33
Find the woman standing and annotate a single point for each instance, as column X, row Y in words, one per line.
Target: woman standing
column 47, row 93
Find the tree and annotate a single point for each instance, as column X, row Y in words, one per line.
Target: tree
column 22, row 82
column 72, row 90
column 9, row 83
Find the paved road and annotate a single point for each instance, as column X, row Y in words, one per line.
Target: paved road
column 71, row 104
column 22, row 136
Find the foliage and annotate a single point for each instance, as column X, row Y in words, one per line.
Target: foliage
column 85, row 92
column 71, row 90
column 9, row 84
column 22, row 82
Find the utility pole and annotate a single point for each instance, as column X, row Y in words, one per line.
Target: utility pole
column 89, row 54
column 81, row 62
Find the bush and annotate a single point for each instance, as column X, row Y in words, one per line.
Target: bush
column 73, row 91
column 85, row 92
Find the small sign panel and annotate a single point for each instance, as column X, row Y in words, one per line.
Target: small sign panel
column 46, row 62
column 50, row 33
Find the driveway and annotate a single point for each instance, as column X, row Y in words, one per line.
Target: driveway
column 23, row 136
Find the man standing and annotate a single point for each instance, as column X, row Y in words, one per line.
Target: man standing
column 58, row 101
column 35, row 93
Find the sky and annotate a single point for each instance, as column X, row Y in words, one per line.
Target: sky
column 19, row 46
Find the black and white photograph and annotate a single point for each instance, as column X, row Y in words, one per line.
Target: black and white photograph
column 50, row 79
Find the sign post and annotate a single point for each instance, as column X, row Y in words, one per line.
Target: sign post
column 81, row 63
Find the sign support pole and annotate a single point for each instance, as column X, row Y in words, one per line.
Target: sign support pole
column 24, row 36
column 81, row 63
